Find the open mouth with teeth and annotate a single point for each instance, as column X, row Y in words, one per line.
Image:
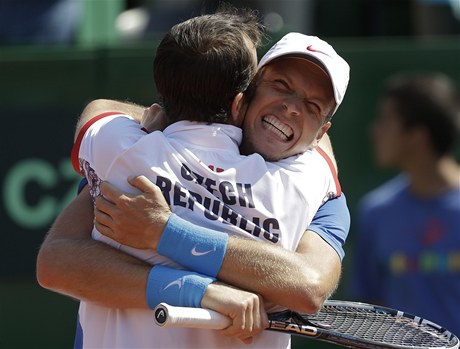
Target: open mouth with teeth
column 277, row 127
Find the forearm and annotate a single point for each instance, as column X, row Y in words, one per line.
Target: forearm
column 299, row 280
column 72, row 263
column 89, row 270
column 99, row 106
column 310, row 274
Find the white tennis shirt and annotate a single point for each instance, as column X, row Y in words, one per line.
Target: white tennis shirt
column 206, row 181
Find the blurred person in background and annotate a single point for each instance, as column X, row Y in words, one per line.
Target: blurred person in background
column 40, row 22
column 407, row 252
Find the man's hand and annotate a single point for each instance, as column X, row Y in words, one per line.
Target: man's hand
column 246, row 309
column 133, row 220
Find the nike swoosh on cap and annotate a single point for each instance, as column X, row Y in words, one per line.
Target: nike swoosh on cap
column 310, row 48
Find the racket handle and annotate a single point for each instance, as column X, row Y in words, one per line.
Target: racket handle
column 168, row 316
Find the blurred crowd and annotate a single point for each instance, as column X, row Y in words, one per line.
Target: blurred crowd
column 65, row 22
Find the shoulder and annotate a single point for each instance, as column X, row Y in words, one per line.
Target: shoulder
column 311, row 157
column 385, row 195
column 118, row 130
column 449, row 199
column 106, row 135
column 111, row 123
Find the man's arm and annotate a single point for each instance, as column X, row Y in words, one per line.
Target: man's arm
column 300, row 280
column 319, row 252
column 70, row 262
column 100, row 106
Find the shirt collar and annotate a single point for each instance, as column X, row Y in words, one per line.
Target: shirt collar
column 215, row 136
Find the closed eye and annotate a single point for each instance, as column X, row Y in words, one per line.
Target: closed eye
column 314, row 107
column 281, row 86
column 282, row 83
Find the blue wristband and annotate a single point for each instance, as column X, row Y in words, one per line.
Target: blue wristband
column 194, row 247
column 176, row 287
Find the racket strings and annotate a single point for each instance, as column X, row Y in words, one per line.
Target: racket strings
column 379, row 327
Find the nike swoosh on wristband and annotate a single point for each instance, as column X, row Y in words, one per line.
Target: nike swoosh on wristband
column 310, row 48
column 196, row 253
column 177, row 282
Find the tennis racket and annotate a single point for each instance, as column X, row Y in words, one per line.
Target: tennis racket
column 350, row 324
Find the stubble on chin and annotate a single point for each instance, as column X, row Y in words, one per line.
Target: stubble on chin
column 247, row 148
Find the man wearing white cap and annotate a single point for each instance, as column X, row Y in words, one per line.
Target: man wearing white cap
column 278, row 82
column 291, row 111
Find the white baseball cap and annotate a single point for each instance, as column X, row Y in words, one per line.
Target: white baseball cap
column 317, row 51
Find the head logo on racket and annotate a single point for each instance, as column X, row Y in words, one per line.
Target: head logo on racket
column 160, row 315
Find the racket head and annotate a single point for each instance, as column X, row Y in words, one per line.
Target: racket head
column 362, row 325
column 384, row 326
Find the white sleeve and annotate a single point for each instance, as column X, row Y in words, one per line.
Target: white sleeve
column 106, row 139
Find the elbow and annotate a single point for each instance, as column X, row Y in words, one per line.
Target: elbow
column 313, row 295
column 311, row 303
column 317, row 302
column 43, row 274
column 47, row 269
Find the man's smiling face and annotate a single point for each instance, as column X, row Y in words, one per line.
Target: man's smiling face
column 289, row 110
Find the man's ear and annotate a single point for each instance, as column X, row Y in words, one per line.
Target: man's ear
column 237, row 109
column 323, row 130
column 321, row 133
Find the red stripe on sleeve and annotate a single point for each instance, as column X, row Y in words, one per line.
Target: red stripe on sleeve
column 332, row 168
column 77, row 144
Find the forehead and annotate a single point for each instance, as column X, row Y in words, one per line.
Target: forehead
column 301, row 67
column 299, row 70
column 301, row 73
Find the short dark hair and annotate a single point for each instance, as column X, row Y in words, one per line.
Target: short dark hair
column 429, row 100
column 203, row 63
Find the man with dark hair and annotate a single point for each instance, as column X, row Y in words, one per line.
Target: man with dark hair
column 185, row 65
column 408, row 243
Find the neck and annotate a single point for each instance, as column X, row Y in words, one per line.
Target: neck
column 433, row 176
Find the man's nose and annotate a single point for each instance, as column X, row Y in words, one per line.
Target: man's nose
column 292, row 105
